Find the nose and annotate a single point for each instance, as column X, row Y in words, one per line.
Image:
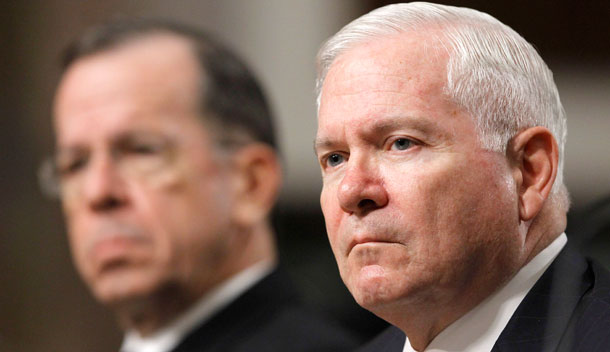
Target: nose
column 103, row 188
column 362, row 189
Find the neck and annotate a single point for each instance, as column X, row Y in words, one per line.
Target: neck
column 423, row 318
column 544, row 229
column 148, row 315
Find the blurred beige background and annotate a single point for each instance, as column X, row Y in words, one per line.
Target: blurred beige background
column 44, row 306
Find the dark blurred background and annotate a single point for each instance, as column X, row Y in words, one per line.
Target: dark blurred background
column 43, row 304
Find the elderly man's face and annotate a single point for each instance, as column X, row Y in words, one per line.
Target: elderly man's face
column 147, row 199
column 416, row 211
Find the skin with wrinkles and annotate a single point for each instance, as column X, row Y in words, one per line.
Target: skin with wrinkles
column 147, row 197
column 410, row 198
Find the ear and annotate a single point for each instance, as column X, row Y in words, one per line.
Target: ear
column 256, row 183
column 535, row 157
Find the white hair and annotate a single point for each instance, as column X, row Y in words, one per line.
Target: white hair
column 492, row 72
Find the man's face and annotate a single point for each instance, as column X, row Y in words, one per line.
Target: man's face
column 416, row 211
column 146, row 197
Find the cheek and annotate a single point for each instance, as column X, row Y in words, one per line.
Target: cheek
column 332, row 216
column 415, row 200
column 462, row 207
column 180, row 189
column 79, row 225
column 444, row 205
column 80, row 231
column 173, row 174
column 186, row 207
column 166, row 204
column 452, row 188
column 77, row 241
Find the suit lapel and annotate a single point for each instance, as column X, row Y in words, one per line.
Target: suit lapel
column 541, row 320
column 233, row 325
column 390, row 340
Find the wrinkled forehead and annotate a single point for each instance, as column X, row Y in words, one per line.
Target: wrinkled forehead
column 398, row 82
column 409, row 63
column 419, row 56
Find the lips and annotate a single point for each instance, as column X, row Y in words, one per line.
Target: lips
column 113, row 242
column 110, row 251
column 361, row 240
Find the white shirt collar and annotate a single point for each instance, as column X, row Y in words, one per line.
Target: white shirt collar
column 479, row 329
column 168, row 337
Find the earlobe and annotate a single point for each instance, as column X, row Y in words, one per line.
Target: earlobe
column 535, row 155
column 257, row 179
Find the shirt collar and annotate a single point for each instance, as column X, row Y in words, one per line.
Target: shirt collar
column 169, row 336
column 479, row 329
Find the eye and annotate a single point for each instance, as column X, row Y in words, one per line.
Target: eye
column 401, row 144
column 335, row 159
column 70, row 166
column 144, row 148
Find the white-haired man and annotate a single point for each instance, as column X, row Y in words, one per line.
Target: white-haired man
column 440, row 138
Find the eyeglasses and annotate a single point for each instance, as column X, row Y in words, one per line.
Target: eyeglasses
column 134, row 156
column 140, row 156
column 47, row 178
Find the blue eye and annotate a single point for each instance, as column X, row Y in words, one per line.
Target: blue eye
column 335, row 159
column 401, row 144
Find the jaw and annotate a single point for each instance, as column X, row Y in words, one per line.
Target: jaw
column 372, row 278
column 121, row 284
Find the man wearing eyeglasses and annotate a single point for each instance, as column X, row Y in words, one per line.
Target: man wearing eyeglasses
column 167, row 169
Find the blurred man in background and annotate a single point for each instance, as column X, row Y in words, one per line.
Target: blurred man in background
column 441, row 137
column 167, row 168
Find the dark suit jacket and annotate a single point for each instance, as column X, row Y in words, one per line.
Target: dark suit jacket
column 268, row 317
column 568, row 309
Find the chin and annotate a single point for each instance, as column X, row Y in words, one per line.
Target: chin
column 123, row 287
column 371, row 287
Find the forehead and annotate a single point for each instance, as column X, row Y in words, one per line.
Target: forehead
column 149, row 77
column 400, row 75
column 410, row 52
column 403, row 63
column 391, row 85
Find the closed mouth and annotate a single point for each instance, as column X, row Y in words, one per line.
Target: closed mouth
column 355, row 243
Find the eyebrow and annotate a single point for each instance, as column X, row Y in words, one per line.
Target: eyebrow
column 425, row 125
column 120, row 138
column 67, row 151
column 322, row 143
column 383, row 125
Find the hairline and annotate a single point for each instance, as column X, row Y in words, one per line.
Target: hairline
column 206, row 117
column 216, row 64
column 361, row 31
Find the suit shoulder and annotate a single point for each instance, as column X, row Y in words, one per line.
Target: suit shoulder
column 596, row 302
column 590, row 326
column 601, row 286
column 299, row 329
column 391, row 339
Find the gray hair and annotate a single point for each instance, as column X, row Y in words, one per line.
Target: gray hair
column 492, row 72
